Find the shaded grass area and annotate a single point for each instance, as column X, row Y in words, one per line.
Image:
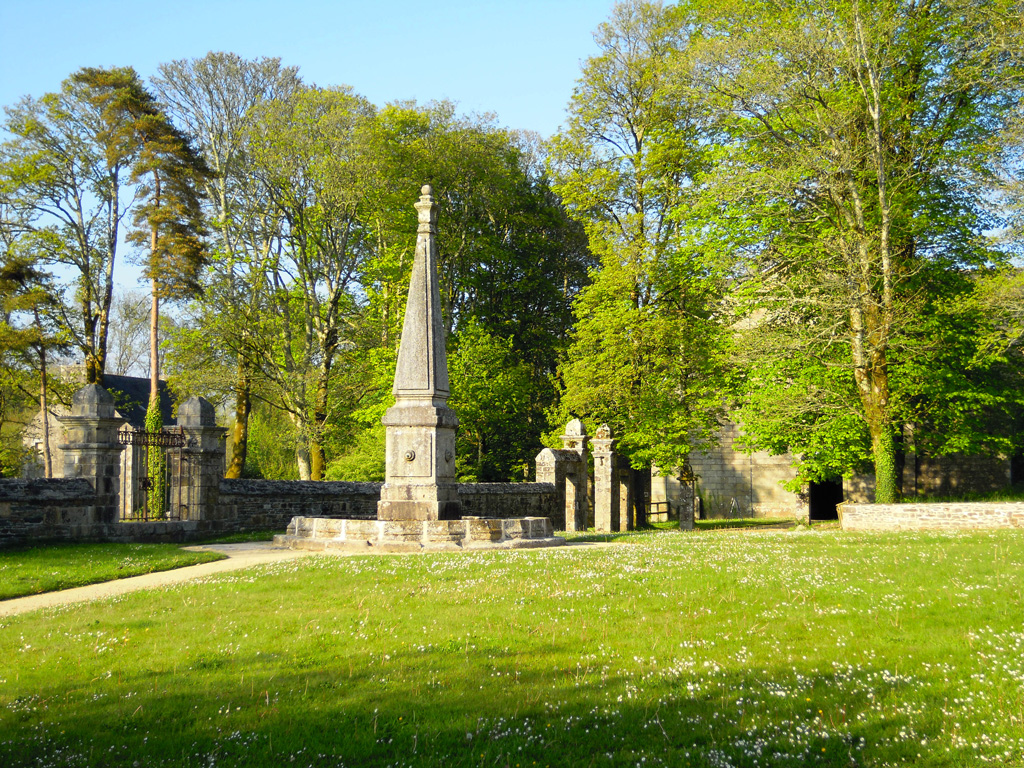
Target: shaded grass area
column 666, row 648
column 241, row 538
column 31, row 571
column 745, row 522
column 1009, row 493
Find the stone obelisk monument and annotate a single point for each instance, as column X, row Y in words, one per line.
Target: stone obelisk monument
column 420, row 462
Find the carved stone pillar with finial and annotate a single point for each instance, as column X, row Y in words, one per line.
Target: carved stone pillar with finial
column 606, row 481
column 420, row 454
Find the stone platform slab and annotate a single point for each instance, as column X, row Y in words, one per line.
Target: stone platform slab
column 468, row 533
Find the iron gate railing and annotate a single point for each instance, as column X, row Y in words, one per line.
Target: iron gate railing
column 156, row 475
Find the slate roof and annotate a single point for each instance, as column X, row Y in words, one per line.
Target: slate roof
column 131, row 395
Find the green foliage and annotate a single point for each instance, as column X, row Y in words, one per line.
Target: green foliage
column 30, row 335
column 61, row 187
column 361, row 458
column 648, row 354
column 858, row 155
column 271, row 446
column 492, row 391
column 156, row 464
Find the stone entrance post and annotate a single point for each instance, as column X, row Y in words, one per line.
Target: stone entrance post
column 91, row 451
column 420, row 461
column 203, row 456
column 606, row 481
column 577, row 473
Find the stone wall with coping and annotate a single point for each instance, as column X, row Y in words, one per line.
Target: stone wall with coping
column 271, row 504
column 508, row 500
column 45, row 509
column 64, row 510
column 952, row 516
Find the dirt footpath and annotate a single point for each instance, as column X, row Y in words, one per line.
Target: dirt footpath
column 239, row 556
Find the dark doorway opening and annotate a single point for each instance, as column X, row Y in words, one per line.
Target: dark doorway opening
column 824, row 498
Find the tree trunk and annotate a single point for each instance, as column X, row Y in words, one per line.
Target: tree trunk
column 317, row 455
column 240, row 434
column 873, row 384
column 302, row 459
column 883, row 447
column 154, row 350
column 45, row 405
column 317, row 460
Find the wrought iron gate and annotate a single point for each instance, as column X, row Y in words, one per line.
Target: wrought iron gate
column 156, row 475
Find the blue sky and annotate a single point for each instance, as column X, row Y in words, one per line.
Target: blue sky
column 518, row 59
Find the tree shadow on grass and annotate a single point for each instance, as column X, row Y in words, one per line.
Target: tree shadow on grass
column 463, row 706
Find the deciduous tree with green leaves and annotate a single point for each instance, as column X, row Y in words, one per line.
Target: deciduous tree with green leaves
column 648, row 354
column 168, row 219
column 211, row 99
column 62, row 174
column 861, row 142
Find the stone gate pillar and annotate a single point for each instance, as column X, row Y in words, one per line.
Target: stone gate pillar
column 606, row 481
column 625, row 474
column 551, row 468
column 92, row 451
column 577, row 474
column 202, row 461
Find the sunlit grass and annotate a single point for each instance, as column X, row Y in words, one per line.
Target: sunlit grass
column 666, row 648
column 47, row 568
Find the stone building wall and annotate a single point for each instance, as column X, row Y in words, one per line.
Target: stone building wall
column 962, row 516
column 926, row 476
column 732, row 483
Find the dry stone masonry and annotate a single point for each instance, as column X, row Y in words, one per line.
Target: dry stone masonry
column 964, row 516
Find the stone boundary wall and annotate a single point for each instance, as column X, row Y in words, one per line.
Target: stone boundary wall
column 253, row 505
column 734, row 483
column 951, row 516
column 64, row 509
column 510, row 500
column 45, row 509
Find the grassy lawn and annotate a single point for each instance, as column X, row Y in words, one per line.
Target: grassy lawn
column 745, row 522
column 805, row 648
column 61, row 566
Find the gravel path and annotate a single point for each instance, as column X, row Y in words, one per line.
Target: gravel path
column 239, row 556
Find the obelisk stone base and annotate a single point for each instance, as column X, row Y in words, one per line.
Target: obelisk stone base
column 420, row 469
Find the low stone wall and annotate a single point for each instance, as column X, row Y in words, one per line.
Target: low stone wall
column 505, row 501
column 268, row 504
column 55, row 510
column 319, row 534
column 962, row 516
column 45, row 509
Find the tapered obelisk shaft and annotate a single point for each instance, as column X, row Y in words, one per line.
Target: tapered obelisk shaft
column 422, row 371
column 420, row 462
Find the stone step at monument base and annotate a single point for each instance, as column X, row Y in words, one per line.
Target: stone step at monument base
column 468, row 533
